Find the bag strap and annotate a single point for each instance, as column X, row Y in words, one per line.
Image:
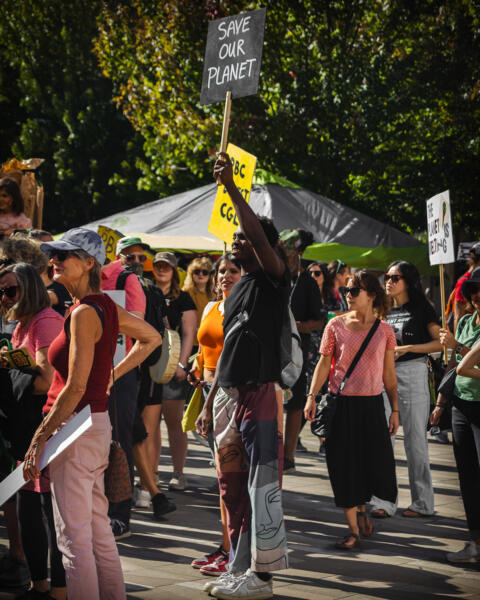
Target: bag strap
column 358, row 355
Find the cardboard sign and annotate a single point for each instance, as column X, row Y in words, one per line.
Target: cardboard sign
column 55, row 446
column 110, row 238
column 223, row 221
column 119, row 297
column 440, row 233
column 233, row 56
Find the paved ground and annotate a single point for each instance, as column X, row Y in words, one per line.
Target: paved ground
column 405, row 559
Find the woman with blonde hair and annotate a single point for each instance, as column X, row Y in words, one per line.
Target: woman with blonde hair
column 199, row 283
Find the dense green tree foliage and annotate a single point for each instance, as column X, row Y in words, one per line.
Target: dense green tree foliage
column 374, row 103
column 57, row 105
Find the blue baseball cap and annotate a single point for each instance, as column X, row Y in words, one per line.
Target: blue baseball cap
column 78, row 238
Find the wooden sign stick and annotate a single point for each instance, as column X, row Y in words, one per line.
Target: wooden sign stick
column 442, row 302
column 226, row 122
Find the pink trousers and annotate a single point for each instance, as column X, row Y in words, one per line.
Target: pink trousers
column 84, row 536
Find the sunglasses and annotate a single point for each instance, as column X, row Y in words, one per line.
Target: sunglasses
column 62, row 255
column 201, row 272
column 135, row 256
column 10, row 291
column 393, row 278
column 353, row 291
column 315, row 273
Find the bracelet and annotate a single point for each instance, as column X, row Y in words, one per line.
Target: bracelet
column 440, row 405
column 311, row 394
column 396, row 410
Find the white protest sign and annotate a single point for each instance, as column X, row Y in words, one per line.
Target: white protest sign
column 233, row 56
column 440, row 233
column 118, row 296
column 55, row 446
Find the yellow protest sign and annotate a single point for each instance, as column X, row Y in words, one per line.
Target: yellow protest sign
column 223, row 221
column 110, row 238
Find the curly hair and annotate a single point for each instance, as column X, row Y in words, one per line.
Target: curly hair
column 370, row 283
column 19, row 248
column 200, row 262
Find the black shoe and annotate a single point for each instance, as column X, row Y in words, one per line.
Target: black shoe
column 120, row 529
column 300, row 446
column 161, row 505
column 288, row 466
column 13, row 573
column 321, row 450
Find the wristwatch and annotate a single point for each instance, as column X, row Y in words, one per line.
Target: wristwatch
column 459, row 348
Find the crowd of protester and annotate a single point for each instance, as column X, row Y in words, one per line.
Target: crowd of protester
column 367, row 341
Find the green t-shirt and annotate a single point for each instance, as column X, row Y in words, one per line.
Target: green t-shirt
column 467, row 388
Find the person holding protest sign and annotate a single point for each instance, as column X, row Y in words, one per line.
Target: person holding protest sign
column 246, row 404
column 11, row 208
column 466, row 414
column 82, row 356
column 417, row 332
column 461, row 306
column 210, row 338
column 358, row 448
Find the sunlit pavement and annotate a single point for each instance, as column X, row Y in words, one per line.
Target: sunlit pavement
column 405, row 558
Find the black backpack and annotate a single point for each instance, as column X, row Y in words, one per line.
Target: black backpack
column 155, row 311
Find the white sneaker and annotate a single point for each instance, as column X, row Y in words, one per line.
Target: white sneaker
column 247, row 586
column 224, row 580
column 141, row 498
column 469, row 554
column 178, row 481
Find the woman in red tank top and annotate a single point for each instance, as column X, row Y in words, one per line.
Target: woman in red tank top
column 82, row 357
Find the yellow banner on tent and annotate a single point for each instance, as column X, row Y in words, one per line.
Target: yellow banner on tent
column 223, row 221
column 110, row 238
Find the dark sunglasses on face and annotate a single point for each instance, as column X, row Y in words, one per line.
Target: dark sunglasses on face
column 10, row 291
column 133, row 257
column 315, row 273
column 353, row 291
column 62, row 255
column 201, row 272
column 393, row 278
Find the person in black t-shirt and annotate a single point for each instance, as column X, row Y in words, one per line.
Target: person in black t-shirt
column 418, row 333
column 181, row 314
column 246, row 404
column 306, row 305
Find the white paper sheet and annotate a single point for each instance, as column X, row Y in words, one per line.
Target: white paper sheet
column 55, row 446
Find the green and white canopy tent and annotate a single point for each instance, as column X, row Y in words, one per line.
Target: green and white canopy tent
column 180, row 222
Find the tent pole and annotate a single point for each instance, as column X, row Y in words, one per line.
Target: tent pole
column 442, row 302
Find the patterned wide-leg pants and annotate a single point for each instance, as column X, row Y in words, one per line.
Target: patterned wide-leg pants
column 248, row 424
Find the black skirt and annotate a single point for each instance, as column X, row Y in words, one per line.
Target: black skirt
column 359, row 452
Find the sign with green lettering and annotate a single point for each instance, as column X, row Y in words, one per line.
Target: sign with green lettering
column 233, row 56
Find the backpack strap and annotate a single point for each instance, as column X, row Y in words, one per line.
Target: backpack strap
column 122, row 279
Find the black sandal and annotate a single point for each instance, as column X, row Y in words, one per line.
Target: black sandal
column 366, row 532
column 344, row 545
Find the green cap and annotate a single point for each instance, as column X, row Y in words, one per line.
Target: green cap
column 126, row 242
column 291, row 239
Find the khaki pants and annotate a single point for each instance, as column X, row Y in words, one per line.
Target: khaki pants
column 84, row 536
